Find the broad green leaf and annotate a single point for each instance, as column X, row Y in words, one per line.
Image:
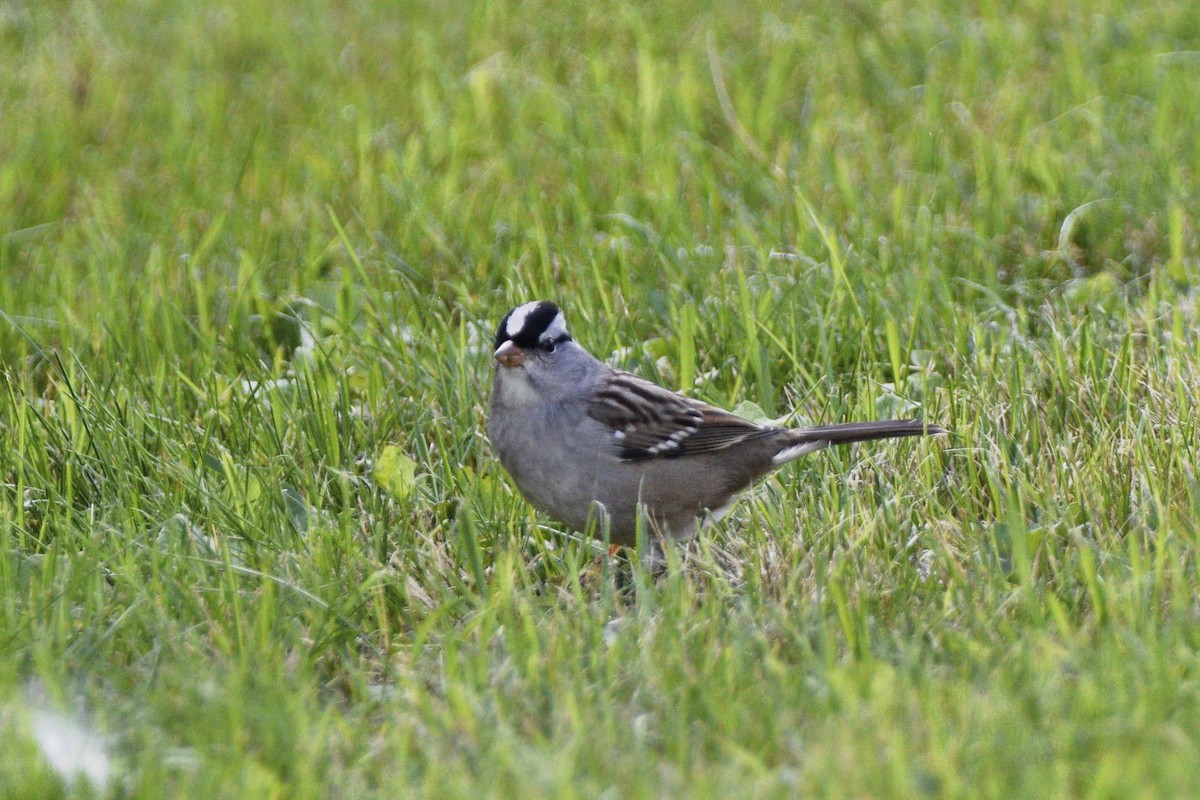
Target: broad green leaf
column 395, row 472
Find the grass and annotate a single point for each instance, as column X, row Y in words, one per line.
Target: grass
column 253, row 539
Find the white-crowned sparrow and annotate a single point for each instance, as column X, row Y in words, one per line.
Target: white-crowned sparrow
column 590, row 445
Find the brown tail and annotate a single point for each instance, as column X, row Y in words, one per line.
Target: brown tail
column 866, row 431
column 802, row 441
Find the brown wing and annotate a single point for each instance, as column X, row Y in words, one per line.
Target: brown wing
column 648, row 421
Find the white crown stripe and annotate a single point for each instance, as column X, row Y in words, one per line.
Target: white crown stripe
column 516, row 320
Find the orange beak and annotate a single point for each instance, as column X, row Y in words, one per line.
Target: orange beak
column 509, row 355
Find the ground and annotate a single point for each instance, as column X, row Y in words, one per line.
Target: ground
column 253, row 542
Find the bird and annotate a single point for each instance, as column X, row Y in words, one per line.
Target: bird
column 603, row 451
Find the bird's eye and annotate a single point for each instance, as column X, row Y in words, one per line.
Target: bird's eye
column 548, row 347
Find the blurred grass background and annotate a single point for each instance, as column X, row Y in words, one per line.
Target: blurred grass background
column 252, row 255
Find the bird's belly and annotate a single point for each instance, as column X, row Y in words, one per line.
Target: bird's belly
column 667, row 496
column 589, row 489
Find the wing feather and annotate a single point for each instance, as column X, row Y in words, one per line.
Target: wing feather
column 648, row 421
